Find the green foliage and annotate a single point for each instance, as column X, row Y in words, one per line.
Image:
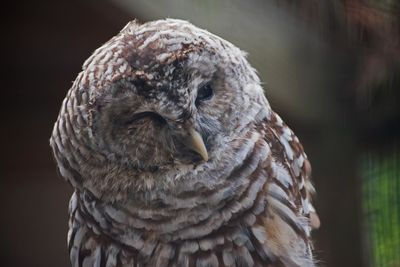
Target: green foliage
column 381, row 207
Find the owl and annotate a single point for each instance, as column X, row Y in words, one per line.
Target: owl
column 177, row 159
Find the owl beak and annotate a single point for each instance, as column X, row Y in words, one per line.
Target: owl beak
column 195, row 142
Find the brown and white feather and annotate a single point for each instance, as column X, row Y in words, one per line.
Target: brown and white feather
column 141, row 198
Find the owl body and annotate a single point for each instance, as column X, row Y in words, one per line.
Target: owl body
column 177, row 159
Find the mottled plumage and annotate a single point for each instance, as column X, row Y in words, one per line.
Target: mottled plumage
column 177, row 159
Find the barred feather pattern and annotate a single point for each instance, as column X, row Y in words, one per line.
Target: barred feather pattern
column 249, row 205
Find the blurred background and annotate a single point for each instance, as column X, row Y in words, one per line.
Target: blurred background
column 331, row 69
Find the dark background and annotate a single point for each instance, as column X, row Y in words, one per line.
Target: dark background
column 330, row 69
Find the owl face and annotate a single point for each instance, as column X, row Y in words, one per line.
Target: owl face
column 155, row 99
column 181, row 95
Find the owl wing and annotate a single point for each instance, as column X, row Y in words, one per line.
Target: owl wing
column 284, row 228
column 293, row 169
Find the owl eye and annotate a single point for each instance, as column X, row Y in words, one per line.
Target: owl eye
column 205, row 93
column 146, row 115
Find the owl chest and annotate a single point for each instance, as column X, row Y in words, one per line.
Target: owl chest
column 246, row 241
column 88, row 248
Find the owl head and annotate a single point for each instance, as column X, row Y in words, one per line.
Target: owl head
column 157, row 101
